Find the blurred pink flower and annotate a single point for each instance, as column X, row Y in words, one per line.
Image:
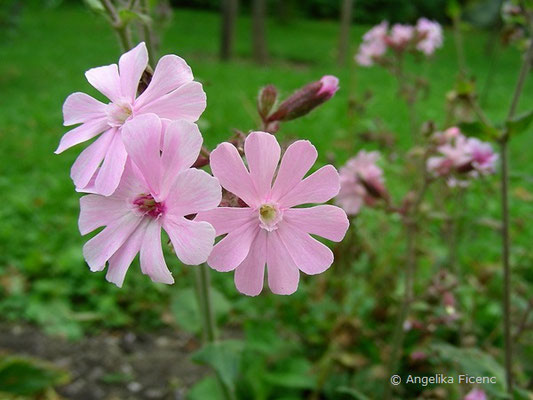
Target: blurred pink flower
column 361, row 182
column 330, row 85
column 483, row 157
column 400, row 35
column 172, row 94
column 269, row 230
column 476, row 394
column 430, row 34
column 157, row 190
column 458, row 154
column 373, row 45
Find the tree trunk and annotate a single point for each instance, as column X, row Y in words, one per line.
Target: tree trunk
column 259, row 47
column 344, row 36
column 229, row 16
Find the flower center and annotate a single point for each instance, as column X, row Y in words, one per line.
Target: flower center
column 269, row 216
column 146, row 205
column 118, row 113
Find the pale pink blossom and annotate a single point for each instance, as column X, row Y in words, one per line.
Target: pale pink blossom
column 476, row 394
column 157, row 190
column 270, row 230
column 452, row 155
column 458, row 154
column 361, row 181
column 483, row 158
column 373, row 46
column 430, row 34
column 400, row 35
column 172, row 94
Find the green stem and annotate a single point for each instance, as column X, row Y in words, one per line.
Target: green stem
column 410, row 223
column 116, row 22
column 203, row 292
column 506, row 241
column 147, row 32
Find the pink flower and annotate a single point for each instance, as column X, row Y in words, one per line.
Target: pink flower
column 430, row 34
column 483, row 158
column 461, row 155
column 171, row 94
column 157, row 190
column 330, row 85
column 361, row 182
column 400, row 35
column 373, row 46
column 453, row 155
column 269, row 230
column 476, row 394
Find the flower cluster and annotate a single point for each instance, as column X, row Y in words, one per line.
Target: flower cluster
column 425, row 37
column 140, row 178
column 361, row 181
column 459, row 156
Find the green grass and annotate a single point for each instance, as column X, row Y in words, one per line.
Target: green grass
column 42, row 272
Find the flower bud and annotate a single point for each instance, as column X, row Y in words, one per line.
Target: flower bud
column 266, row 100
column 306, row 99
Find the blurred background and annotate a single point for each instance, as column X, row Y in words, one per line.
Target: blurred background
column 66, row 333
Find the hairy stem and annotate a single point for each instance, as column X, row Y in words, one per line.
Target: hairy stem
column 506, row 241
column 118, row 25
column 410, row 222
column 147, row 33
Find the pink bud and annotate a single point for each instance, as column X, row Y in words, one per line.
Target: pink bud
column 266, row 100
column 305, row 99
column 330, row 85
column 476, row 394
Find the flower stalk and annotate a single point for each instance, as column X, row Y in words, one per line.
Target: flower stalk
column 118, row 25
column 203, row 292
column 506, row 241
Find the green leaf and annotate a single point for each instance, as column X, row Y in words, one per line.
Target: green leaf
column 519, row 124
column 94, row 5
column 354, row 394
column 474, row 362
column 185, row 308
column 207, row 388
column 127, row 16
column 295, row 373
column 224, row 357
column 479, row 129
column 24, row 376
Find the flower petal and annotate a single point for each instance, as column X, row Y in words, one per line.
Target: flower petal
column 250, row 274
column 170, row 73
column 186, row 102
column 181, row 145
column 262, row 154
column 316, row 188
column 88, row 161
column 297, row 160
column 233, row 249
column 309, row 255
column 97, row 211
column 106, row 80
column 142, row 139
column 327, row 221
column 112, row 168
column 192, row 240
column 283, row 274
column 228, row 168
column 194, row 190
column 122, row 259
column 227, row 219
column 101, row 247
column 81, row 133
column 152, row 260
column 131, row 67
column 80, row 107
